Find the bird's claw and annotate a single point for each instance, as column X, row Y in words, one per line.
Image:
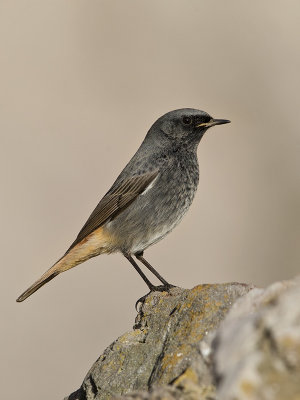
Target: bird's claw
column 159, row 288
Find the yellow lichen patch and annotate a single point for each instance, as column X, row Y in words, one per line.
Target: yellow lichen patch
column 188, row 375
column 121, row 361
column 190, row 331
column 189, row 385
column 290, row 347
column 132, row 337
column 170, row 360
column 247, row 388
column 199, row 288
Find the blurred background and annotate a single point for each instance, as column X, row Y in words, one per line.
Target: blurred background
column 81, row 83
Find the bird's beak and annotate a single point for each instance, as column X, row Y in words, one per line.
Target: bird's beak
column 213, row 122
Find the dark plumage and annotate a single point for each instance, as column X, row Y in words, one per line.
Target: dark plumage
column 147, row 200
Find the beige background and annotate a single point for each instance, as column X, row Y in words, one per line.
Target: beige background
column 81, row 83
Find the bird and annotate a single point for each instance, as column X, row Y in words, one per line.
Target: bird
column 146, row 202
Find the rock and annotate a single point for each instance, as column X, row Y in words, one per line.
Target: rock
column 162, row 353
column 225, row 341
column 257, row 347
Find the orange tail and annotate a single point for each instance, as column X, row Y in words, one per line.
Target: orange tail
column 93, row 245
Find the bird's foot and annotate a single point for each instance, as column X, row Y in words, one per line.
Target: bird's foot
column 153, row 288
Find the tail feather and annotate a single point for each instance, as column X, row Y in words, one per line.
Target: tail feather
column 95, row 244
column 33, row 288
column 69, row 260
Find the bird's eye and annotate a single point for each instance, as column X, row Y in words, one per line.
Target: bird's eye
column 187, row 120
column 206, row 118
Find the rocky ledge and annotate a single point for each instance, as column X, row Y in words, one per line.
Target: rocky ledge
column 225, row 341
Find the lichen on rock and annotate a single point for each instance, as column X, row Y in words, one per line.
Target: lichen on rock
column 222, row 341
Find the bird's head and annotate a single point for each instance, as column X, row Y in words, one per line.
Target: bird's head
column 186, row 125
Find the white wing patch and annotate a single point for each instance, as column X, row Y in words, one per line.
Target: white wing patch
column 150, row 186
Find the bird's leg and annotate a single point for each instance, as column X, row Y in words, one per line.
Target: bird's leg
column 137, row 268
column 166, row 285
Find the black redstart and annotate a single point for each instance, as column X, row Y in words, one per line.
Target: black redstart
column 148, row 199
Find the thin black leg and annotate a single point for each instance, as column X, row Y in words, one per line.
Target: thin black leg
column 140, row 257
column 137, row 268
column 162, row 288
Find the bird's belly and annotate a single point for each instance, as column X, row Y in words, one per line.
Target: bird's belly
column 142, row 242
column 150, row 218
